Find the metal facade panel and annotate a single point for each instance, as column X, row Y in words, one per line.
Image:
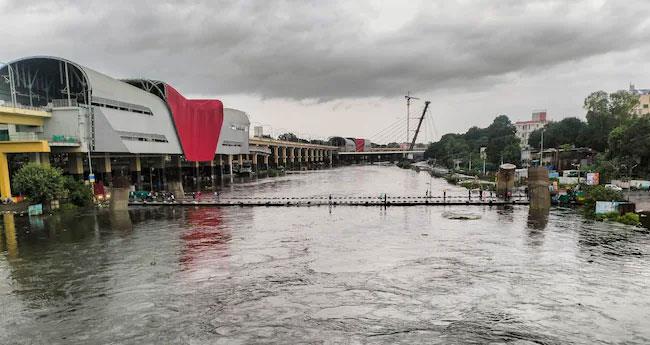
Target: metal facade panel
column 234, row 133
column 159, row 122
column 119, row 121
column 106, row 137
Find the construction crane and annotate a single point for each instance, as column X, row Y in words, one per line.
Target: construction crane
column 415, row 136
column 408, row 114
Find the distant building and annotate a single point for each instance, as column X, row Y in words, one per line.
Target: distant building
column 524, row 128
column 643, row 108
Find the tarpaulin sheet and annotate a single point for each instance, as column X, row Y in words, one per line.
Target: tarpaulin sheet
column 198, row 124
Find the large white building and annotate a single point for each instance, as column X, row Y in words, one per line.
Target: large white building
column 525, row 128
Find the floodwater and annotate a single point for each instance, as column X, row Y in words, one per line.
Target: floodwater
column 321, row 275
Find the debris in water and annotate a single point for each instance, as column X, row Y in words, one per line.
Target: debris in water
column 461, row 216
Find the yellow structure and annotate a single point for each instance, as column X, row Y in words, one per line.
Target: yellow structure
column 16, row 142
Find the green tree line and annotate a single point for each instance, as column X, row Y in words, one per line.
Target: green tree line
column 611, row 128
column 499, row 139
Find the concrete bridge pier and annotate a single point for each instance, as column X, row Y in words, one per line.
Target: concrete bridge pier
column 254, row 162
column 135, row 168
column 299, row 157
column 538, row 193
column 283, row 151
column 230, row 162
column 76, row 165
column 292, row 156
column 276, row 156
column 213, row 177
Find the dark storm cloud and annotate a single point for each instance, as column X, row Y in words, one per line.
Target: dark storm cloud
column 322, row 50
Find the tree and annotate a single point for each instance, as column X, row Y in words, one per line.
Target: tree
column 499, row 138
column 629, row 144
column 606, row 112
column 39, row 183
column 570, row 130
column 288, row 137
column 502, row 142
column 77, row 192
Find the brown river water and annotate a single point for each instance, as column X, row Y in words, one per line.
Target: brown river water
column 324, row 275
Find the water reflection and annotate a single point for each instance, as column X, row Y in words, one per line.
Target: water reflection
column 506, row 213
column 9, row 222
column 536, row 223
column 204, row 236
column 121, row 220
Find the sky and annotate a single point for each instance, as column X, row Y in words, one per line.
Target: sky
column 325, row 68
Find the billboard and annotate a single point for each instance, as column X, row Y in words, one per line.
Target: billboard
column 593, row 179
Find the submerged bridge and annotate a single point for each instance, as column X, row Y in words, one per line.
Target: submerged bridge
column 385, row 200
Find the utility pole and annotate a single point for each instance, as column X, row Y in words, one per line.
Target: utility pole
column 483, row 156
column 470, row 162
column 541, row 149
column 408, row 115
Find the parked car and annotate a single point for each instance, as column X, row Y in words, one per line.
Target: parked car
column 614, row 187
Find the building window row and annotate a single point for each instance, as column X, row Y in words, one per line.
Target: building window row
column 124, row 106
column 135, row 136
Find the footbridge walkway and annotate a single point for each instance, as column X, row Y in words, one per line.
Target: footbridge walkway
column 329, row 200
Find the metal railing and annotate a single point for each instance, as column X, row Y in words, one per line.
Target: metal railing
column 20, row 136
column 63, row 103
column 21, row 106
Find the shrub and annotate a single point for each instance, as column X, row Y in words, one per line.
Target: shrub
column 629, row 219
column 79, row 194
column 39, row 183
column 599, row 193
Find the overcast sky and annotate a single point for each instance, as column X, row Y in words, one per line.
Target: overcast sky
column 322, row 68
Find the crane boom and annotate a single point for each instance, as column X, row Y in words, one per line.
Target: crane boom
column 415, row 136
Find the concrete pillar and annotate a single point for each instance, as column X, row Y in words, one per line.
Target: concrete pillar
column 163, row 172
column 105, row 168
column 45, row 158
column 266, row 161
column 254, row 161
column 230, row 165
column 135, row 167
column 220, row 165
column 276, row 156
column 176, row 167
column 284, row 155
column 197, row 176
column 120, row 194
column 75, row 165
column 241, row 160
column 292, row 154
column 538, row 182
column 505, row 180
column 213, row 176
column 35, row 158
